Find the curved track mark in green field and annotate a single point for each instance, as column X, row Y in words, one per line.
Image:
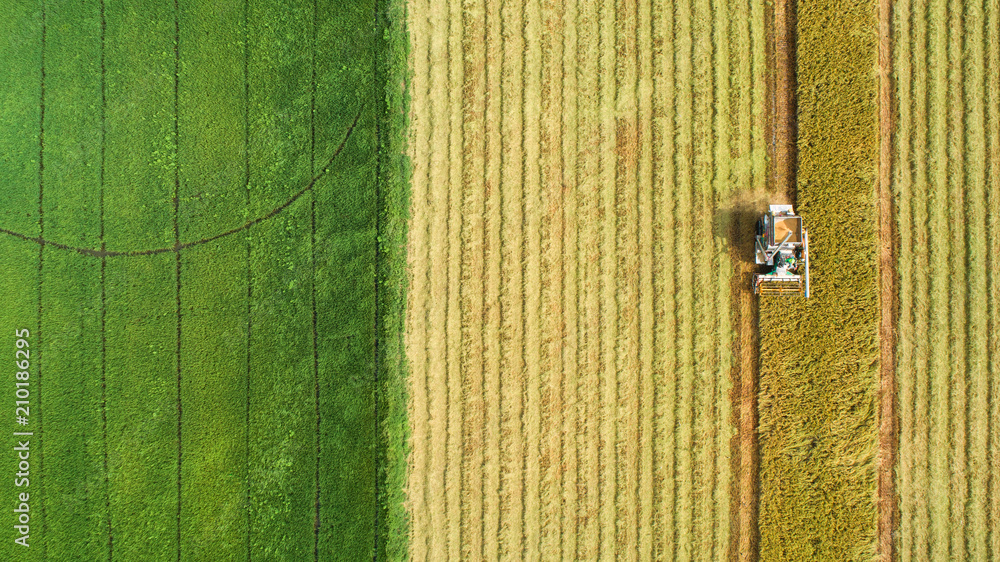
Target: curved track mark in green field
column 100, row 253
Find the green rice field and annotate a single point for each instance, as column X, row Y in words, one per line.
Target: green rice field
column 200, row 230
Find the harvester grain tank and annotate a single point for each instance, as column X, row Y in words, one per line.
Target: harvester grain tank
column 781, row 244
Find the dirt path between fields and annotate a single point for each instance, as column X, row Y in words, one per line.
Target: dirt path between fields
column 745, row 378
column 888, row 507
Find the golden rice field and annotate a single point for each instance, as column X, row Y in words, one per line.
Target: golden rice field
column 577, row 167
column 819, row 374
column 947, row 185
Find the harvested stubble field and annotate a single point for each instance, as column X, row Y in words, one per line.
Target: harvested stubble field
column 579, row 170
column 946, row 182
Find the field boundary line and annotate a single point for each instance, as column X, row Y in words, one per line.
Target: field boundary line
column 888, row 420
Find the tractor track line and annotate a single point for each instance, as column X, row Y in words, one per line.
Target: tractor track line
column 939, row 426
column 658, row 434
column 703, row 420
column 745, row 312
column 379, row 457
column 588, row 485
column 742, row 120
column 684, row 191
column 921, row 400
column 178, row 246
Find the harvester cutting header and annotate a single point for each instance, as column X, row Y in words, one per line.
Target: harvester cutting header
column 782, row 244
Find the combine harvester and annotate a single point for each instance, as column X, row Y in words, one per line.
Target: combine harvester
column 783, row 245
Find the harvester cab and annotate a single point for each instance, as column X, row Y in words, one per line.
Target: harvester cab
column 782, row 244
